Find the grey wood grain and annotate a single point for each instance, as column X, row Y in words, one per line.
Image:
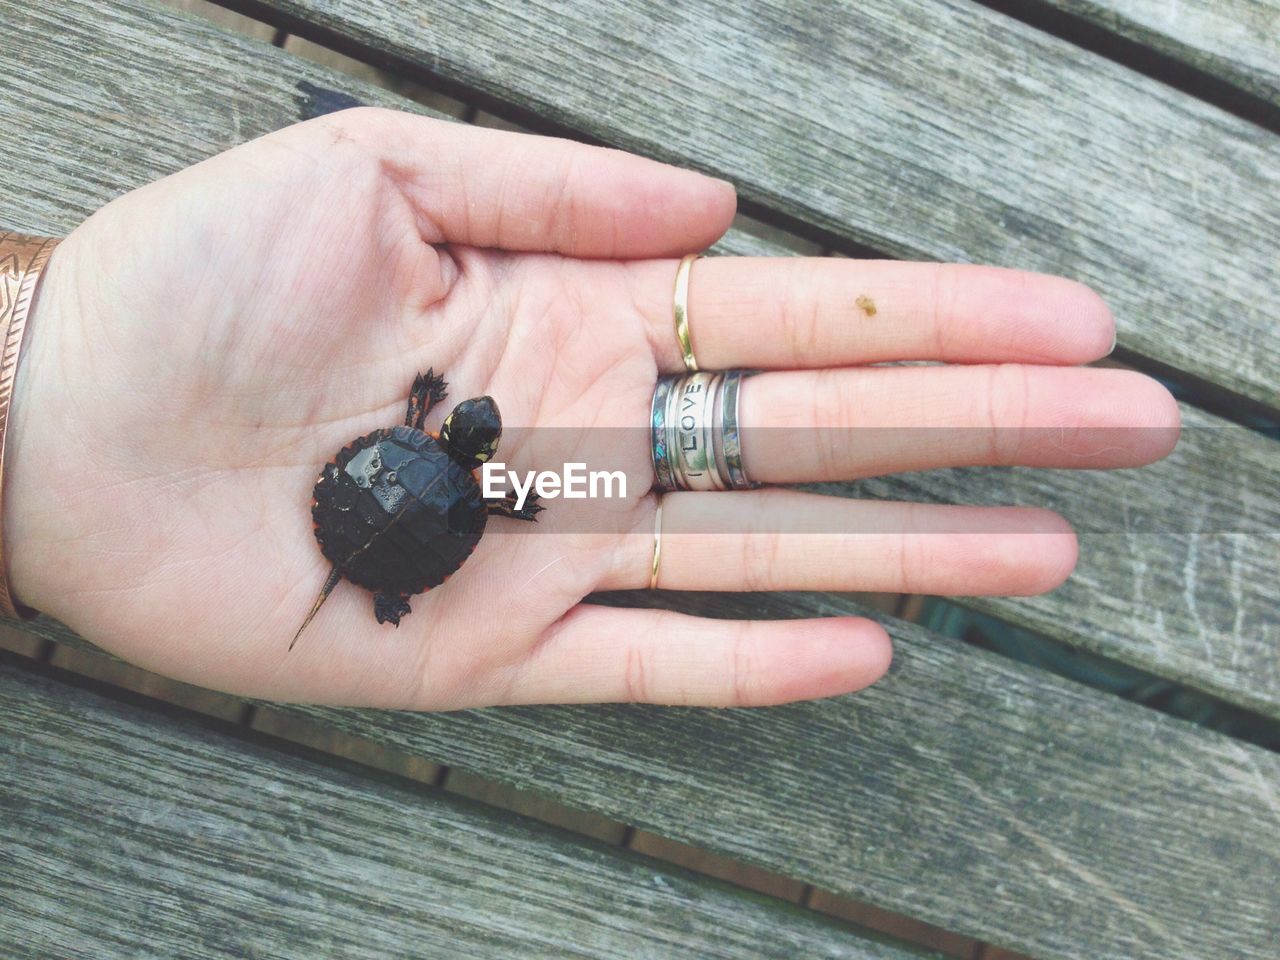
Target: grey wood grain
column 128, row 833
column 1203, row 609
column 969, row 791
column 931, row 129
column 1234, row 40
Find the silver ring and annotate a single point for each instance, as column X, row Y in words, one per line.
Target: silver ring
column 659, row 441
column 695, row 438
column 694, row 446
column 729, row 445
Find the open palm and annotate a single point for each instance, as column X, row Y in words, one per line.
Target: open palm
column 203, row 345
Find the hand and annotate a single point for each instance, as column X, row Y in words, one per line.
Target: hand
column 203, row 345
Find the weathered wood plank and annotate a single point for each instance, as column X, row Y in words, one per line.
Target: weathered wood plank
column 127, row 833
column 1235, row 40
column 228, row 19
column 925, row 129
column 1107, row 829
column 1202, row 611
column 974, row 793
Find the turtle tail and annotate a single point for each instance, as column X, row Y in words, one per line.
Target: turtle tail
column 334, row 577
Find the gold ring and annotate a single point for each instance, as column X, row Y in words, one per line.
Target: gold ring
column 681, row 312
column 657, row 544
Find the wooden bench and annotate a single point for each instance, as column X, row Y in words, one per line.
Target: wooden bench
column 979, row 794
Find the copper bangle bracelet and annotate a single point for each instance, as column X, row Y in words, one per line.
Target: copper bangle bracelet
column 22, row 260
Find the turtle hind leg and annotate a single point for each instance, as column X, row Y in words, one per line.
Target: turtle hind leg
column 428, row 390
column 506, row 507
column 390, row 607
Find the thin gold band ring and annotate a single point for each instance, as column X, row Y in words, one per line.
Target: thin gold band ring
column 657, row 545
column 680, row 312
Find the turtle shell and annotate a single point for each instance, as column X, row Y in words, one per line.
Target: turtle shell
column 395, row 514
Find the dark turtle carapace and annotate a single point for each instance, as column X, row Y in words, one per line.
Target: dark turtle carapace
column 398, row 510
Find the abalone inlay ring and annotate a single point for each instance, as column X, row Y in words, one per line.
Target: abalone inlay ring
column 728, row 439
column 695, row 437
column 660, row 445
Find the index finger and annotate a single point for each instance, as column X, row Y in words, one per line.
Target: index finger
column 805, row 312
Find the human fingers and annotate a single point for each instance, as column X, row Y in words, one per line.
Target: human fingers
column 798, row 312
column 790, row 540
column 830, row 425
column 493, row 188
column 608, row 654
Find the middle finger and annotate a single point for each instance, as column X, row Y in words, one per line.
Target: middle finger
column 831, row 425
column 790, row 540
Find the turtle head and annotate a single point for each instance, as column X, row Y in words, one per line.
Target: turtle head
column 470, row 433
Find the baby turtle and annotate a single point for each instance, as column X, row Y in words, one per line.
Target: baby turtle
column 398, row 510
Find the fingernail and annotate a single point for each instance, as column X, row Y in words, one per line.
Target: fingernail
column 1113, row 343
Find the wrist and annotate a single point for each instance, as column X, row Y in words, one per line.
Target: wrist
column 31, row 326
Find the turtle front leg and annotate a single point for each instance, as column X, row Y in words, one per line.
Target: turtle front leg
column 506, row 507
column 390, row 607
column 428, row 390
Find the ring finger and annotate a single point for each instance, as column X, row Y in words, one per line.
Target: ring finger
column 789, row 540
